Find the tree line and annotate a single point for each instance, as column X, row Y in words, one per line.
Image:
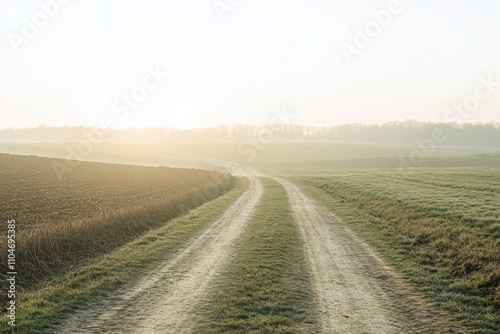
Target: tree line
column 392, row 133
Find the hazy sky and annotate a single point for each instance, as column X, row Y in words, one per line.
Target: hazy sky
column 233, row 61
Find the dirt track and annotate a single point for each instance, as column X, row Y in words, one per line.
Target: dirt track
column 356, row 291
column 163, row 301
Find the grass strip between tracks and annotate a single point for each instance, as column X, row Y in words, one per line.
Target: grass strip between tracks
column 39, row 310
column 265, row 288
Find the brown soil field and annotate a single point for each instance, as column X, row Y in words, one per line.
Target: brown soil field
column 95, row 208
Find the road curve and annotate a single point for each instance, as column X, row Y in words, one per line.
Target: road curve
column 163, row 301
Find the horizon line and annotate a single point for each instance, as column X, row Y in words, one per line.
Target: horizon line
column 45, row 126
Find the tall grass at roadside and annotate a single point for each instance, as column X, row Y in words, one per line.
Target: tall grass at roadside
column 41, row 309
column 49, row 249
column 440, row 227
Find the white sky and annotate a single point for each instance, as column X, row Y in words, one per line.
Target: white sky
column 263, row 55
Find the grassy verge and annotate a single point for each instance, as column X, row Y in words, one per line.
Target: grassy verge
column 265, row 287
column 408, row 242
column 39, row 310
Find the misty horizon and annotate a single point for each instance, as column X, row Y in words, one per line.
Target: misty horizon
column 409, row 133
column 233, row 125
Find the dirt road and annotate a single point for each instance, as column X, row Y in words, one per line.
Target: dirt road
column 356, row 291
column 163, row 301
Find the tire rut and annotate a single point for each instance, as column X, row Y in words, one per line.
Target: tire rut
column 164, row 301
column 356, row 291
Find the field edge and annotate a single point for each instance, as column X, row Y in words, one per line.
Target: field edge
column 40, row 310
column 436, row 290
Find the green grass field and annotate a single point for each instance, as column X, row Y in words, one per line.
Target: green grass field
column 275, row 158
column 439, row 226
